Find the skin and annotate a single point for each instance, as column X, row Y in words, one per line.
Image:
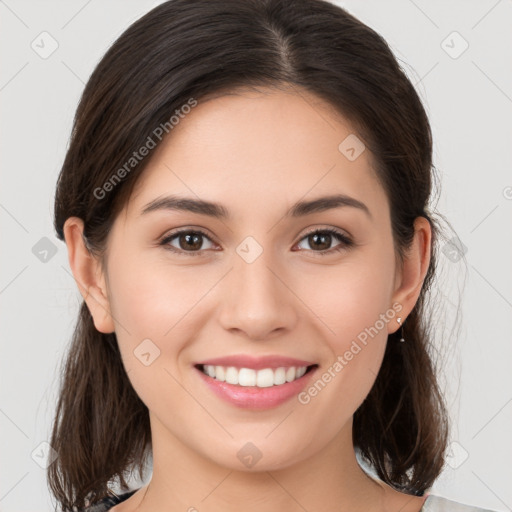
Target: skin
column 260, row 152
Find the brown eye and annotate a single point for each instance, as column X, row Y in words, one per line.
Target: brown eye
column 189, row 241
column 320, row 241
column 186, row 241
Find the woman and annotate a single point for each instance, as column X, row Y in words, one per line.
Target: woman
column 245, row 203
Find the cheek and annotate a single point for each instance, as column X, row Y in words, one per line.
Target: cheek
column 152, row 300
column 353, row 302
column 350, row 298
column 155, row 309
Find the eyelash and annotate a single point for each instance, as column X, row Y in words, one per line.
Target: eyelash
column 346, row 242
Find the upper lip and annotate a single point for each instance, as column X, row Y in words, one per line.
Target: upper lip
column 256, row 363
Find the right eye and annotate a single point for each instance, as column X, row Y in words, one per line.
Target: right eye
column 188, row 241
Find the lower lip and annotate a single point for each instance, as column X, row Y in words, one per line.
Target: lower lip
column 253, row 397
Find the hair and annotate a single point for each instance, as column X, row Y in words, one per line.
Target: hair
column 186, row 49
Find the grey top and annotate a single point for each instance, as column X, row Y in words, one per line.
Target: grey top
column 432, row 503
column 438, row 504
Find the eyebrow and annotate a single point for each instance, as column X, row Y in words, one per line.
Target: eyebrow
column 216, row 210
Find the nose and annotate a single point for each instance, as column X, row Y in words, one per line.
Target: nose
column 257, row 301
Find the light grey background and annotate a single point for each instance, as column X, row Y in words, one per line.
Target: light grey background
column 468, row 97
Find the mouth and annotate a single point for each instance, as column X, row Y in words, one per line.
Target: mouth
column 259, row 378
column 256, row 389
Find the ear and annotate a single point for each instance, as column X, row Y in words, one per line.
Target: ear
column 88, row 274
column 409, row 280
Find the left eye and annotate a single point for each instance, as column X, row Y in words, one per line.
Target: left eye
column 322, row 240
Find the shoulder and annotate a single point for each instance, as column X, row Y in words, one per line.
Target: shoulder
column 108, row 502
column 439, row 504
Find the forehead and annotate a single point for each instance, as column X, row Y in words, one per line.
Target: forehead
column 253, row 148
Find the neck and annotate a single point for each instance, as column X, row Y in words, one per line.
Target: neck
column 184, row 480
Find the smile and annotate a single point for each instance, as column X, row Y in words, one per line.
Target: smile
column 262, row 378
column 255, row 389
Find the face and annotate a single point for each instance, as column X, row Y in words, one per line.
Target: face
column 265, row 280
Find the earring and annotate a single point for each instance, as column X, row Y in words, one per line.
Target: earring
column 111, row 492
column 399, row 320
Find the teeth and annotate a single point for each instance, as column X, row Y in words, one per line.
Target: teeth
column 279, row 376
column 246, row 376
column 220, row 373
column 231, row 375
column 263, row 378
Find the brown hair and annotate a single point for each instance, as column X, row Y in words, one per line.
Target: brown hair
column 186, row 49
